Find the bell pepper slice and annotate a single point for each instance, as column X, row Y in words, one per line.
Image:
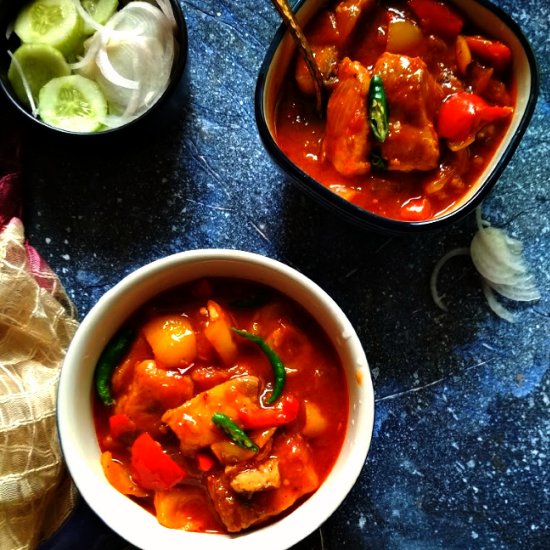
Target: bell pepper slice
column 493, row 52
column 462, row 115
column 121, row 424
column 205, row 462
column 416, row 209
column 285, row 411
column 152, row 467
column 437, row 18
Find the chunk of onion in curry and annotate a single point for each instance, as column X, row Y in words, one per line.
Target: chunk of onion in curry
column 449, row 95
column 159, row 444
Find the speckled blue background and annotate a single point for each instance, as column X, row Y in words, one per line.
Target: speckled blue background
column 460, row 453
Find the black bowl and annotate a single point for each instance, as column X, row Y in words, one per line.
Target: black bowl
column 8, row 12
column 489, row 19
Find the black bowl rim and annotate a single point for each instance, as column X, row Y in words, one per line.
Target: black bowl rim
column 177, row 72
column 360, row 216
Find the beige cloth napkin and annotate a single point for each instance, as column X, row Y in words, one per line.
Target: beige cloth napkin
column 37, row 322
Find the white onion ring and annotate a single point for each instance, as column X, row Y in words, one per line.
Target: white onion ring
column 9, row 30
column 86, row 17
column 111, row 74
column 25, row 82
column 435, row 274
column 497, row 258
column 527, row 292
column 495, row 305
column 493, row 256
column 92, row 47
column 166, row 8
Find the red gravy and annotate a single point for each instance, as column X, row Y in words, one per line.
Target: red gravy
column 424, row 174
column 170, row 393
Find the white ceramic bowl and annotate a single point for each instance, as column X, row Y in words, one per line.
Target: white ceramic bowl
column 74, row 407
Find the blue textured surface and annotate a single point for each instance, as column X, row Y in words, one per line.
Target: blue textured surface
column 460, row 454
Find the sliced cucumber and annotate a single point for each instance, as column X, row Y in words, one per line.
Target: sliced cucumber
column 72, row 103
column 52, row 22
column 39, row 63
column 100, row 10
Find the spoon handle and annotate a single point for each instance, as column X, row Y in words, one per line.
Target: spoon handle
column 299, row 37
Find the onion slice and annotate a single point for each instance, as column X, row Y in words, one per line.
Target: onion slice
column 111, row 74
column 86, row 17
column 131, row 59
column 495, row 305
column 25, row 82
column 498, row 259
column 9, row 30
column 525, row 292
column 166, row 8
column 435, row 274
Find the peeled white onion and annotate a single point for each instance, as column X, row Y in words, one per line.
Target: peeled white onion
column 498, row 259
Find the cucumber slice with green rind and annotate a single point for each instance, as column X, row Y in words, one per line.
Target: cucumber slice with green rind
column 52, row 22
column 73, row 103
column 39, row 64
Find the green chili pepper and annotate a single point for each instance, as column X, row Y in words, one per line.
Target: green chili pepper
column 108, row 360
column 277, row 365
column 236, row 434
column 378, row 108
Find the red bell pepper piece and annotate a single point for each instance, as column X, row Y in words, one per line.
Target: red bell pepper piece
column 121, row 424
column 152, row 468
column 493, row 52
column 417, row 209
column 437, row 18
column 205, row 462
column 285, row 411
column 462, row 115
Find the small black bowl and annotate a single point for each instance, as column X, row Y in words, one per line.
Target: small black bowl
column 489, row 19
column 8, row 13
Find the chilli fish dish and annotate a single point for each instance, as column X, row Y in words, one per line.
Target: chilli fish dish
column 418, row 100
column 219, row 406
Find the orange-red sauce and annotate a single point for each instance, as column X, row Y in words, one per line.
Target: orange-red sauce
column 315, row 375
column 414, row 195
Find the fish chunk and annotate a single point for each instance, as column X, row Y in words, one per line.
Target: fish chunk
column 192, row 421
column 297, row 478
column 348, row 14
column 346, row 143
column 413, row 96
column 263, row 476
column 150, row 392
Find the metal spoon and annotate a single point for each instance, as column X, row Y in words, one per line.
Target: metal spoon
column 299, row 37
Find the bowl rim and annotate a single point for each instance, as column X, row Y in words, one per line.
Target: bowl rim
column 135, row 288
column 178, row 68
column 358, row 215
